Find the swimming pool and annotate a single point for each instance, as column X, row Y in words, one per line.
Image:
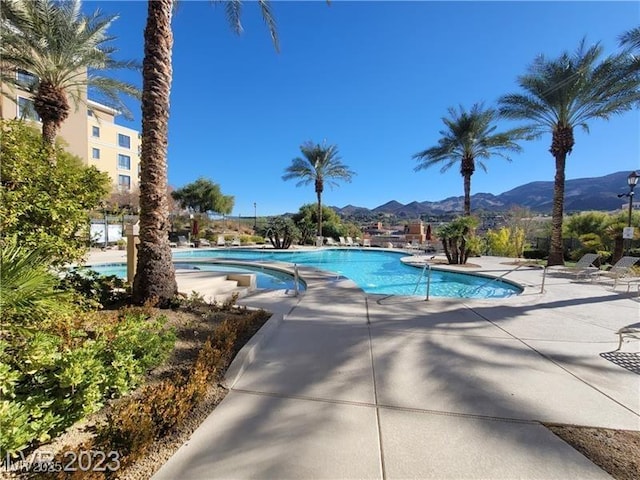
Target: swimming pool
column 375, row 271
column 265, row 277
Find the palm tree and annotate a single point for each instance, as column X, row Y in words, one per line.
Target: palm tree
column 631, row 39
column 55, row 52
column 155, row 275
column 563, row 93
column 469, row 138
column 320, row 164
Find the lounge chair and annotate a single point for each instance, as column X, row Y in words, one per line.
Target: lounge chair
column 220, row 242
column 351, row 243
column 331, row 242
column 366, row 242
column 183, row 242
column 343, row 242
column 203, row 242
column 583, row 267
column 621, row 272
column 235, row 242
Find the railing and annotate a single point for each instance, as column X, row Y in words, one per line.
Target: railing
column 498, row 279
column 427, row 266
column 295, row 278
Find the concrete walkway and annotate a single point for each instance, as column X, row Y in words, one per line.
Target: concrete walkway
column 349, row 385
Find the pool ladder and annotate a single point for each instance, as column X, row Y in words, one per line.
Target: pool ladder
column 427, row 266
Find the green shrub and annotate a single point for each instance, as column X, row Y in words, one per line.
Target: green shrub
column 43, row 207
column 96, row 291
column 50, row 380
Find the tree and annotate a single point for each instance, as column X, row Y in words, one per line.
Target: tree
column 308, row 214
column 456, row 239
column 281, row 232
column 320, row 164
column 631, row 39
column 155, row 275
column 468, row 139
column 204, row 196
column 563, row 93
column 49, row 46
column 41, row 207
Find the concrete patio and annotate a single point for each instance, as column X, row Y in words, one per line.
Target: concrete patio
column 348, row 385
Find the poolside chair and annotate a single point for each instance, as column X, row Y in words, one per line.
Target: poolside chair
column 583, row 267
column 343, row 242
column 220, row 242
column 235, row 242
column 351, row 243
column 331, row 242
column 366, row 242
column 183, row 242
column 203, row 242
column 621, row 272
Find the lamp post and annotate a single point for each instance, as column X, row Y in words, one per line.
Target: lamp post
column 627, row 234
column 255, row 217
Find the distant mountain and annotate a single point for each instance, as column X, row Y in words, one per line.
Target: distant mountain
column 596, row 193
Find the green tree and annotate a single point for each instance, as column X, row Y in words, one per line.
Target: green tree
column 308, row 213
column 563, row 93
column 457, row 239
column 41, row 207
column 56, row 44
column 631, row 39
column 155, row 275
column 281, row 232
column 319, row 164
column 468, row 139
column 204, row 196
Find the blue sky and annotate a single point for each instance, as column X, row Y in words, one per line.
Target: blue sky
column 375, row 78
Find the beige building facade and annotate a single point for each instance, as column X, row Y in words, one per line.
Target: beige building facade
column 90, row 132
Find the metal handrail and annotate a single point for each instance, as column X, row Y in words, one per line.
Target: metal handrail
column 495, row 279
column 295, row 278
column 426, row 266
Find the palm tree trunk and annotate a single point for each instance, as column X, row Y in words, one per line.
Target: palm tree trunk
column 556, row 249
column 319, row 195
column 467, row 195
column 155, row 276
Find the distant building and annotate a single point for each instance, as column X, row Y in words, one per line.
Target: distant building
column 90, row 133
column 414, row 231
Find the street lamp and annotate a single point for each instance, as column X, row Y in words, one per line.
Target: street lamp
column 255, row 217
column 632, row 181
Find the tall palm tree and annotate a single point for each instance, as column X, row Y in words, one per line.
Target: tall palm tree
column 320, row 164
column 155, row 275
column 468, row 139
column 566, row 92
column 59, row 51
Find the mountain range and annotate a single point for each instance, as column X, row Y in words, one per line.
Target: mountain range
column 595, row 193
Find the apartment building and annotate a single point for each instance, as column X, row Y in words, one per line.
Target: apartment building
column 90, row 132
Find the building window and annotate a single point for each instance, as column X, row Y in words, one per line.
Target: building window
column 89, row 113
column 26, row 109
column 95, row 131
column 124, row 182
column 25, row 79
column 124, row 162
column 95, row 153
column 124, row 141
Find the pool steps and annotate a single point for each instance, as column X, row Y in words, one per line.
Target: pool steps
column 215, row 286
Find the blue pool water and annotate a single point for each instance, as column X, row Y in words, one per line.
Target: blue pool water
column 378, row 272
column 265, row 278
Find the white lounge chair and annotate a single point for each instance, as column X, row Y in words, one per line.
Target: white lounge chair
column 366, row 242
column 351, row 243
column 343, row 242
column 203, row 242
column 583, row 267
column 621, row 272
column 331, row 242
column 220, row 242
column 235, row 242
